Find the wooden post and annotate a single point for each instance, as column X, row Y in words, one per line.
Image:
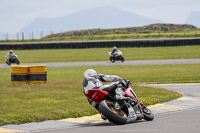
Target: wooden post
column 113, row 33
column 7, row 36
column 196, row 34
column 32, row 35
column 136, row 33
column 17, row 36
column 22, row 35
column 41, row 35
column 184, row 30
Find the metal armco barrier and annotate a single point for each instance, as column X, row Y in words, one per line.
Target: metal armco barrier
column 102, row 44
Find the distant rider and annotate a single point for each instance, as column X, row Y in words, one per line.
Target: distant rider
column 92, row 80
column 114, row 51
column 10, row 54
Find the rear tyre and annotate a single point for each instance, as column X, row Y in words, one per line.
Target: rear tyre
column 148, row 115
column 107, row 108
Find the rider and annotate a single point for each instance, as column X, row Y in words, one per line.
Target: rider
column 10, row 54
column 92, row 80
column 114, row 51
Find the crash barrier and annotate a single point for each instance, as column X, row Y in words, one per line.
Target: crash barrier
column 37, row 74
column 28, row 74
column 102, row 44
column 19, row 75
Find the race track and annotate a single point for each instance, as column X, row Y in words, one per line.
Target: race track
column 107, row 63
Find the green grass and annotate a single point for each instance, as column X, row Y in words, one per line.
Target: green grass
column 62, row 96
column 101, row 54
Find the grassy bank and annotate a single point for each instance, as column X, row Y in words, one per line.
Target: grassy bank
column 62, row 96
column 101, row 54
column 117, row 35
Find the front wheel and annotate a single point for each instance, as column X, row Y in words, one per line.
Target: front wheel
column 117, row 116
column 112, row 59
column 148, row 115
column 122, row 59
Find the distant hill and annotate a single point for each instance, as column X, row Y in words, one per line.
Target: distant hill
column 105, row 17
column 194, row 19
column 147, row 28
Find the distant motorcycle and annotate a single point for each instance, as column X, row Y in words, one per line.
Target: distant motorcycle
column 12, row 59
column 120, row 112
column 116, row 56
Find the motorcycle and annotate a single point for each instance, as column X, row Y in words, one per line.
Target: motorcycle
column 116, row 56
column 120, row 111
column 12, row 59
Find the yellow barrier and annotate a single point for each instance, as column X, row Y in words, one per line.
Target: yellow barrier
column 37, row 74
column 31, row 74
column 19, row 75
column 35, row 69
column 19, row 69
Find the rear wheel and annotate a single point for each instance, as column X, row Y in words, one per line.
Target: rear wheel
column 117, row 116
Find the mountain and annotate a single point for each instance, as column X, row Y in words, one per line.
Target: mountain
column 104, row 17
column 194, row 19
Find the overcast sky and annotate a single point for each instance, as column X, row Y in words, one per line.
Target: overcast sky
column 16, row 14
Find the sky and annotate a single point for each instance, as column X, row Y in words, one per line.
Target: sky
column 16, row 14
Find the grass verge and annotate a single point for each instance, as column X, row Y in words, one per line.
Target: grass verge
column 101, row 54
column 62, row 96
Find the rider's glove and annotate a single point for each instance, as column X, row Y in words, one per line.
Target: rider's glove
column 125, row 83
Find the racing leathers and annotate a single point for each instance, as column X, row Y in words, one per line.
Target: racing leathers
column 114, row 52
column 90, row 83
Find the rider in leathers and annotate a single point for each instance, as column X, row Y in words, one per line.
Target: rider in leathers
column 92, row 80
column 114, row 51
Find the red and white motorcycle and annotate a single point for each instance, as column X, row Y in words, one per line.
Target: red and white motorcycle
column 123, row 111
column 117, row 56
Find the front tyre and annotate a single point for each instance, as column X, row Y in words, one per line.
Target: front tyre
column 17, row 62
column 8, row 62
column 113, row 115
column 148, row 115
column 112, row 59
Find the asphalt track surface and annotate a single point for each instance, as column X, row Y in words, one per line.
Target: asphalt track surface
column 106, row 63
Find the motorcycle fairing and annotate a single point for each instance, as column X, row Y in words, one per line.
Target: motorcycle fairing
column 96, row 95
column 130, row 93
column 131, row 115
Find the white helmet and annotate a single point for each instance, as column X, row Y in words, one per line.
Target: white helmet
column 90, row 73
column 114, row 47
